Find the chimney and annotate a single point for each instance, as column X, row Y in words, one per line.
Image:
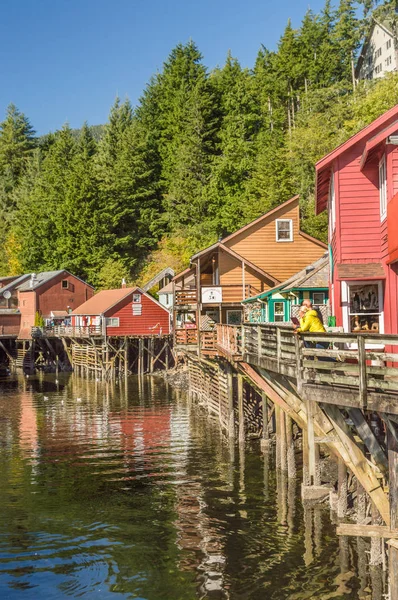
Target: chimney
column 33, row 279
column 123, row 283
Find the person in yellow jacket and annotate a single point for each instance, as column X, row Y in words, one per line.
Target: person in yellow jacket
column 310, row 321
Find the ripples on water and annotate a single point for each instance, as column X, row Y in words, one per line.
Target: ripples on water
column 108, row 491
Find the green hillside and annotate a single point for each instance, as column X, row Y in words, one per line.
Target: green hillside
column 203, row 153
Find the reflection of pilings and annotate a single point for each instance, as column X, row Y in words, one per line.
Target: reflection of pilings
column 266, row 459
column 281, row 486
column 278, row 437
column 362, row 566
column 242, row 494
column 291, row 504
column 318, row 529
column 308, row 530
column 241, row 414
column 344, row 554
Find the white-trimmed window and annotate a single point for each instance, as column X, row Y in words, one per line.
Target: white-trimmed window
column 332, row 205
column 112, row 322
column 318, row 298
column 363, row 307
column 383, row 188
column 136, row 298
column 284, row 230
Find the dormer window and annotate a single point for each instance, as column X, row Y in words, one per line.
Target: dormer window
column 284, row 230
column 383, row 188
column 332, row 206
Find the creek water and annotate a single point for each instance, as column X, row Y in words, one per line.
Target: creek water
column 126, row 490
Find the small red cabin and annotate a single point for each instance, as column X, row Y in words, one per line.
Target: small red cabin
column 358, row 184
column 123, row 312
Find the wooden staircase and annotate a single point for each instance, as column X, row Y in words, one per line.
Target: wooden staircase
column 24, row 357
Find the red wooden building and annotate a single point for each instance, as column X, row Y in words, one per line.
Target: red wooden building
column 358, row 184
column 123, row 312
column 52, row 294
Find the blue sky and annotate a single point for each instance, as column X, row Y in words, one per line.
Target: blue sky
column 66, row 60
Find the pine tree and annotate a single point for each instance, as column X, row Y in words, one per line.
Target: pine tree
column 17, row 142
column 346, row 35
column 232, row 165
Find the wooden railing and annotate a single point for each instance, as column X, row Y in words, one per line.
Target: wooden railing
column 208, row 341
column 67, row 331
column 186, row 337
column 230, row 293
column 358, row 363
column 229, row 339
column 185, row 297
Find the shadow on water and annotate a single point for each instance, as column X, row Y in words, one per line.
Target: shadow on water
column 126, row 491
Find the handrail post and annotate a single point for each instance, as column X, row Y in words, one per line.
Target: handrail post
column 259, row 344
column 278, row 348
column 298, row 345
column 362, row 371
column 242, row 339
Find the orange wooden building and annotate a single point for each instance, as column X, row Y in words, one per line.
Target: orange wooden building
column 252, row 260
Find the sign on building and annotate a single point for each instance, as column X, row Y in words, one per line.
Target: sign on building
column 211, row 295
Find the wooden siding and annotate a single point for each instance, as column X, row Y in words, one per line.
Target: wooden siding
column 359, row 207
column 10, row 324
column 129, row 324
column 51, row 295
column 230, row 270
column 281, row 259
column 360, row 236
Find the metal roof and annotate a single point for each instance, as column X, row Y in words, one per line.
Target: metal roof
column 103, row 301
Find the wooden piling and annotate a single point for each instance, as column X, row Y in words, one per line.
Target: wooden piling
column 231, row 414
column 283, row 446
column 241, row 415
column 277, row 437
column 291, row 459
column 342, row 489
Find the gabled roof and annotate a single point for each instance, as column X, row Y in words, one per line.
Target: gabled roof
column 10, row 287
column 103, row 301
column 167, row 272
column 40, row 279
column 323, row 166
column 315, row 276
column 266, row 215
column 238, row 257
column 373, row 143
column 190, row 270
column 23, row 282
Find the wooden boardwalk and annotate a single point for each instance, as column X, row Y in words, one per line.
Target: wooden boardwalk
column 340, row 390
column 356, row 371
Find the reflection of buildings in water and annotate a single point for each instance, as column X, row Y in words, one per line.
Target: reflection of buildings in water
column 28, row 437
column 199, row 540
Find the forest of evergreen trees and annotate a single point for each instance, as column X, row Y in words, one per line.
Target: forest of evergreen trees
column 202, row 154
